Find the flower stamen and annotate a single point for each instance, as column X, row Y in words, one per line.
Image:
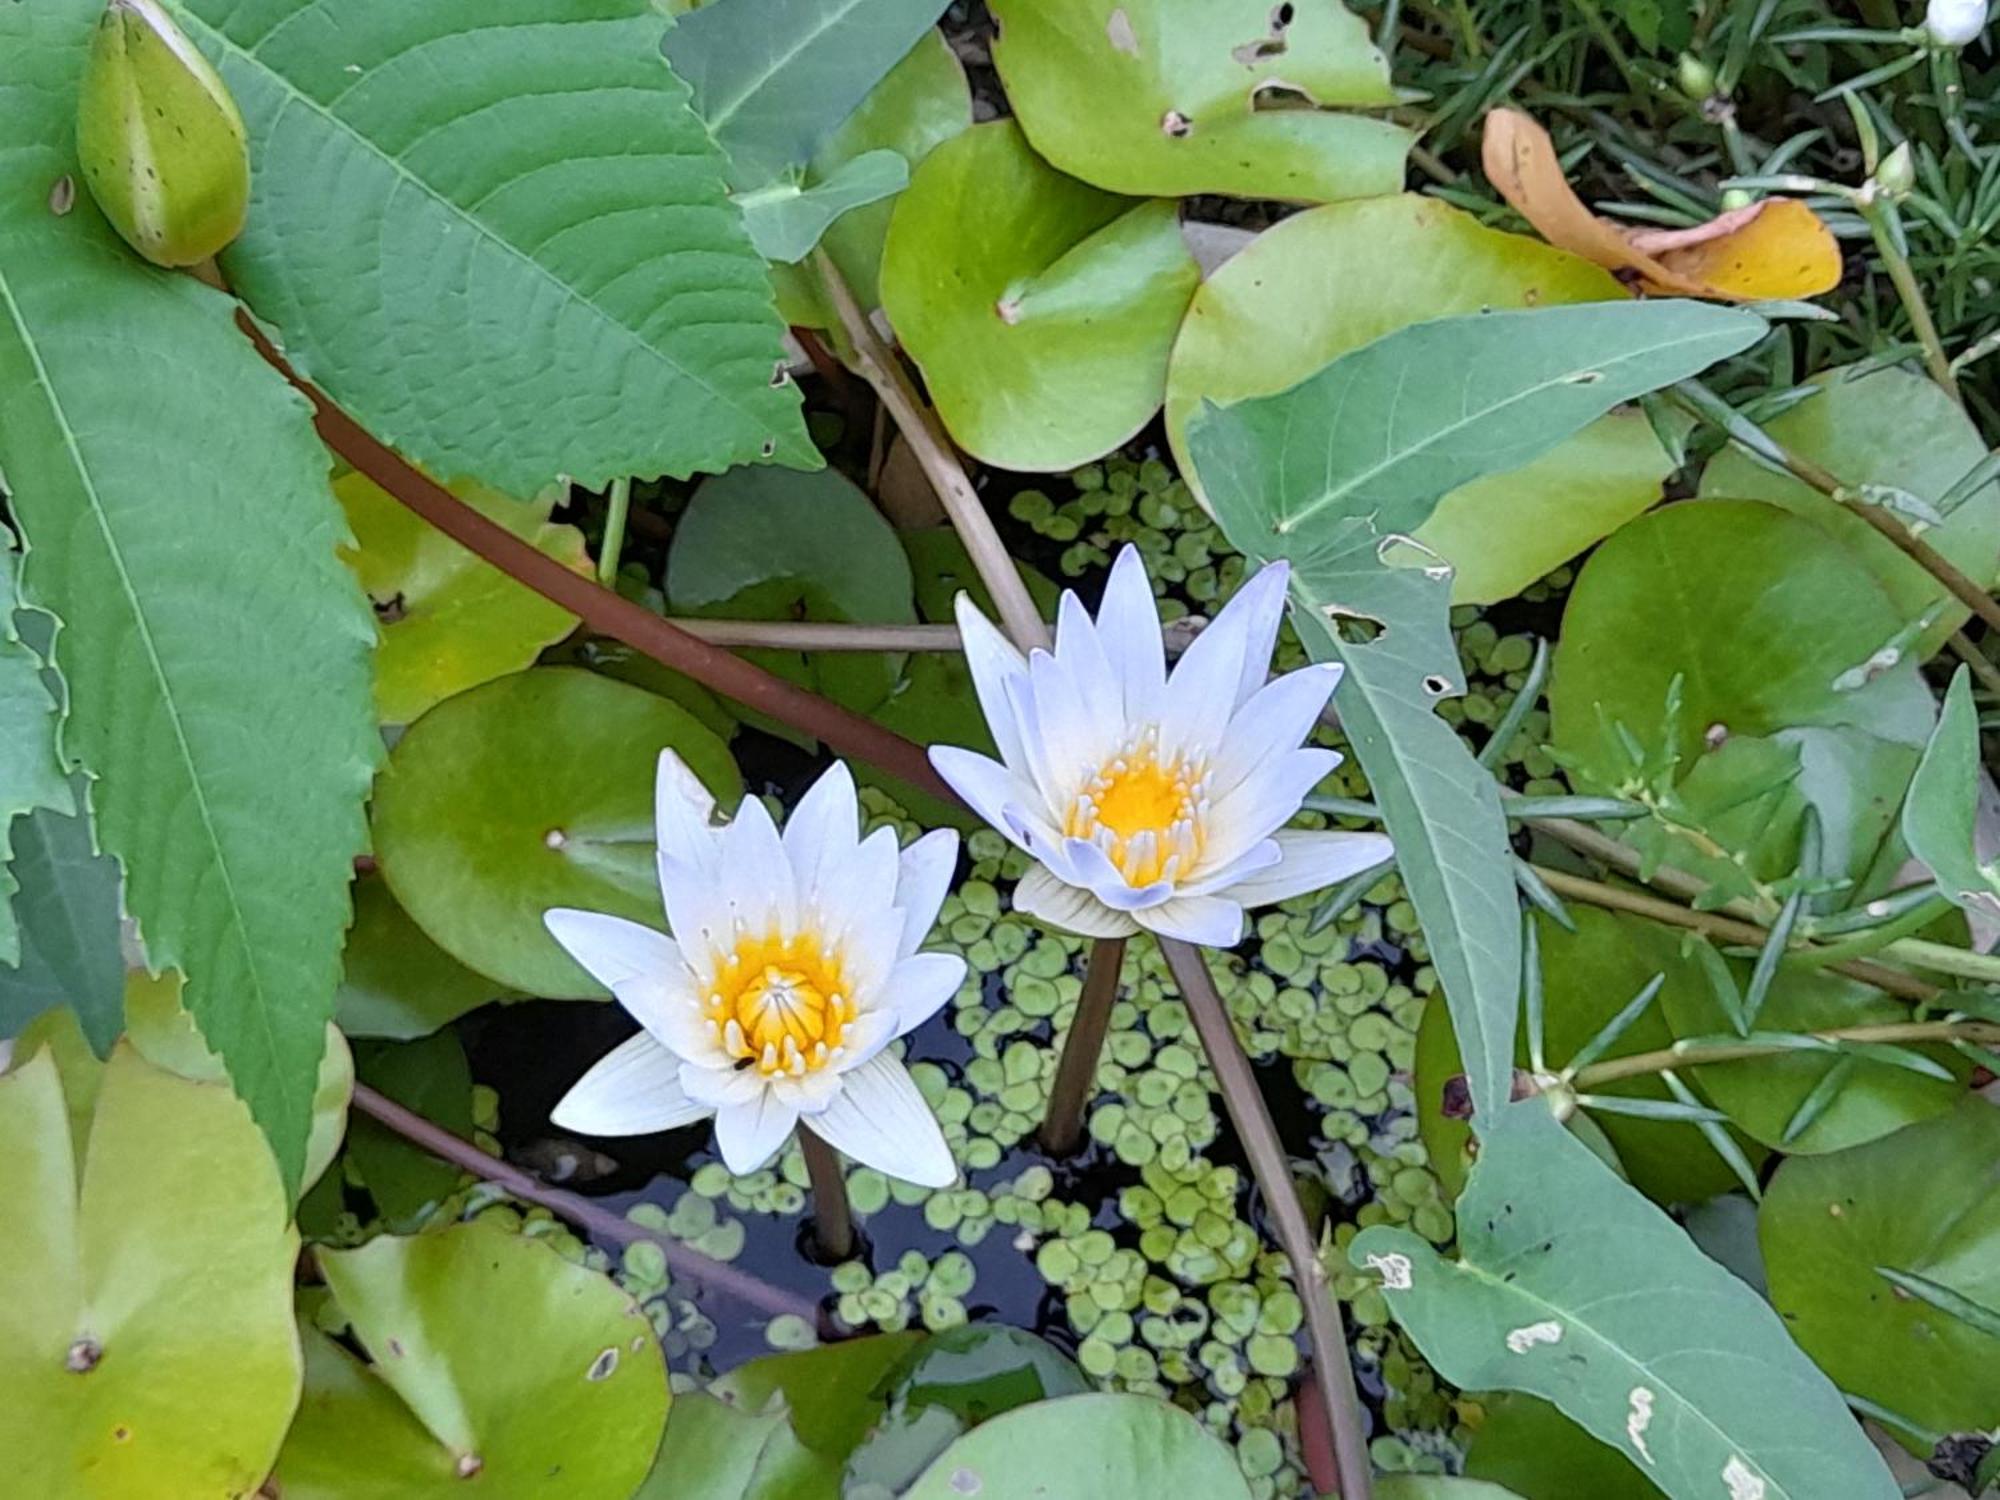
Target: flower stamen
column 1148, row 815
column 780, row 1004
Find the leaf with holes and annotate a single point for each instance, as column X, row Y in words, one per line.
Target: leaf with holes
column 215, row 651
column 1571, row 1286
column 496, row 233
column 31, row 769
column 1174, row 97
column 68, row 912
column 529, row 792
column 563, row 1399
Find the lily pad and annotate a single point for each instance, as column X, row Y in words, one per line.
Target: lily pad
column 921, row 102
column 1588, row 976
column 432, row 1078
column 533, row 791
column 1529, row 1446
column 715, row 1450
column 565, row 1396
column 1763, row 1095
column 147, row 1350
column 1679, row 595
column 1173, row 97
column 1107, row 1446
column 166, row 1036
column 397, row 983
column 769, row 544
column 1886, row 427
column 1941, row 816
column 1327, row 281
column 450, row 620
column 1923, row 1202
column 1040, row 309
column 833, row 1394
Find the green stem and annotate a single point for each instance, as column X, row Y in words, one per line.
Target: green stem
column 1877, row 210
column 614, row 532
column 1870, row 939
column 1942, row 958
column 1682, row 1054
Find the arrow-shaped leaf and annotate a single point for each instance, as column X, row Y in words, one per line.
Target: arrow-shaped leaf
column 1941, row 812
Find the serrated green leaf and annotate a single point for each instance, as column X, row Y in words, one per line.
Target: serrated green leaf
column 772, row 78
column 564, row 1399
column 495, row 231
column 1940, row 816
column 1333, row 475
column 1162, row 97
column 395, row 982
column 175, row 505
column 1280, row 308
column 163, row 1267
column 1688, row 1371
column 31, row 769
column 68, row 912
column 787, row 219
column 1041, row 310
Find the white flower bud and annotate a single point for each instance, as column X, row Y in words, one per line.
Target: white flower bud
column 1955, row 23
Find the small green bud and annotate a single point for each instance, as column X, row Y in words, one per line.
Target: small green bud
column 1735, row 198
column 1898, row 173
column 160, row 139
column 1696, row 78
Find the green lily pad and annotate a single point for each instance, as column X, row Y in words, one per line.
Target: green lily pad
column 1040, row 309
column 921, row 102
column 147, row 1350
column 1886, row 427
column 770, row 544
column 1924, row 1202
column 431, row 1077
column 715, row 1450
column 1763, row 1095
column 1941, row 816
column 1165, row 98
column 564, row 1396
column 166, row 1036
column 450, row 620
column 533, row 791
column 397, row 983
column 1679, row 594
column 833, row 1394
column 1110, row 1447
column 1325, row 282
column 1588, row 976
column 1529, row 1446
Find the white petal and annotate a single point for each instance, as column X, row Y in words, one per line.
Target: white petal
column 683, row 813
column 868, row 952
column 1128, row 627
column 1072, row 742
column 1039, row 767
column 822, row 832
column 1277, row 718
column 920, row 985
column 1257, row 611
column 880, row 1120
column 1259, row 856
column 756, row 875
column 992, row 661
column 866, row 1035
column 1260, row 807
column 1312, row 860
column 1070, row 908
column 988, row 787
column 1107, row 883
column 1081, row 654
column 697, row 911
column 1201, row 693
column 748, row 1135
column 1209, row 921
column 923, row 880
column 635, row 963
column 862, row 896
column 721, row 1087
column 634, row 1089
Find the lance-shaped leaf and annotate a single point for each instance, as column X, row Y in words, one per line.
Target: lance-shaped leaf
column 495, row 231
column 1334, row 474
column 1940, row 816
column 1572, row 1287
column 178, row 521
column 787, row 218
column 31, row 769
column 774, row 77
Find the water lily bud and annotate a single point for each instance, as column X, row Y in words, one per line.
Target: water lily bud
column 1697, row 78
column 159, row 138
column 1954, row 23
column 1898, row 173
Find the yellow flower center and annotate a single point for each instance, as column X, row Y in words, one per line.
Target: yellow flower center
column 780, row 1004
column 1147, row 814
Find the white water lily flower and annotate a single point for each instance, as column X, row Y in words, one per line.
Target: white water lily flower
column 792, row 967
column 1955, row 23
column 1147, row 800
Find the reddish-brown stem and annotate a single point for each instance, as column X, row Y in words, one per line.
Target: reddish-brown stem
column 832, row 1218
column 600, row 608
column 1076, row 1070
column 601, row 1222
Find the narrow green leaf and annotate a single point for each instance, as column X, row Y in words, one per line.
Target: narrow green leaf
column 1344, row 897
column 495, row 231
column 1973, row 1314
column 178, row 521
column 1689, row 1373
column 1672, row 1110
column 1817, row 1101
column 1718, row 1138
column 1721, row 981
column 31, row 769
column 1617, row 1026
column 1940, row 813
column 1583, row 809
column 787, row 219
column 1494, row 751
column 1769, row 957
column 1540, row 896
column 1533, row 995
column 774, row 77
